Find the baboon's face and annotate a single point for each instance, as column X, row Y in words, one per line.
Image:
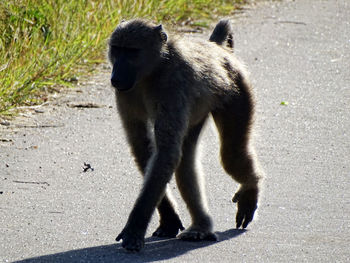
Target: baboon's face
column 124, row 67
column 134, row 51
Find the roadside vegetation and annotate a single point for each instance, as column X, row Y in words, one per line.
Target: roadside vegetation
column 45, row 44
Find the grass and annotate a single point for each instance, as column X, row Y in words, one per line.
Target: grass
column 50, row 43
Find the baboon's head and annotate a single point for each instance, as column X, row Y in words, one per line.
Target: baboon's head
column 135, row 48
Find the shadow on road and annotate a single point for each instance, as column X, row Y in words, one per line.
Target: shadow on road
column 155, row 250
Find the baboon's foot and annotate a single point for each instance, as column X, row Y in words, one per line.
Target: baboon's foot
column 246, row 200
column 197, row 235
column 132, row 240
column 169, row 229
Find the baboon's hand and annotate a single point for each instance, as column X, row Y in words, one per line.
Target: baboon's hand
column 247, row 204
column 132, row 241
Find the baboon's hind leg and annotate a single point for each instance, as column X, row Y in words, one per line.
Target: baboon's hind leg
column 234, row 121
column 170, row 222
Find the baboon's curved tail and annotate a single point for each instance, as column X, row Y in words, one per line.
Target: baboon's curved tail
column 223, row 33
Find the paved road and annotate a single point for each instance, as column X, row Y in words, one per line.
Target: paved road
column 298, row 52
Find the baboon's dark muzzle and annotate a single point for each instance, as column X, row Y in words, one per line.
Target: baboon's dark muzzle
column 123, row 75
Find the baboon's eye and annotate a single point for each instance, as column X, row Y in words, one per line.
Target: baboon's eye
column 132, row 52
column 126, row 51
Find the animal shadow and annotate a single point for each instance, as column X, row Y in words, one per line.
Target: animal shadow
column 155, row 249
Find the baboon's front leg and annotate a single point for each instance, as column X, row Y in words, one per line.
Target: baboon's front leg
column 142, row 148
column 168, row 140
column 190, row 183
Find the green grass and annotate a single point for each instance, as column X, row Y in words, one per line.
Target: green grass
column 50, row 43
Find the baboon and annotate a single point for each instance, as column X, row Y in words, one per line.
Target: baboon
column 165, row 91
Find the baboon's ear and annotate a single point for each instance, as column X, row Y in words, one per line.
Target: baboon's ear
column 162, row 34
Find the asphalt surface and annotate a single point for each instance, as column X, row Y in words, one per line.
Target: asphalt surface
column 298, row 53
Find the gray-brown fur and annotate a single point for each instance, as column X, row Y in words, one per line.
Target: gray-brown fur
column 165, row 91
